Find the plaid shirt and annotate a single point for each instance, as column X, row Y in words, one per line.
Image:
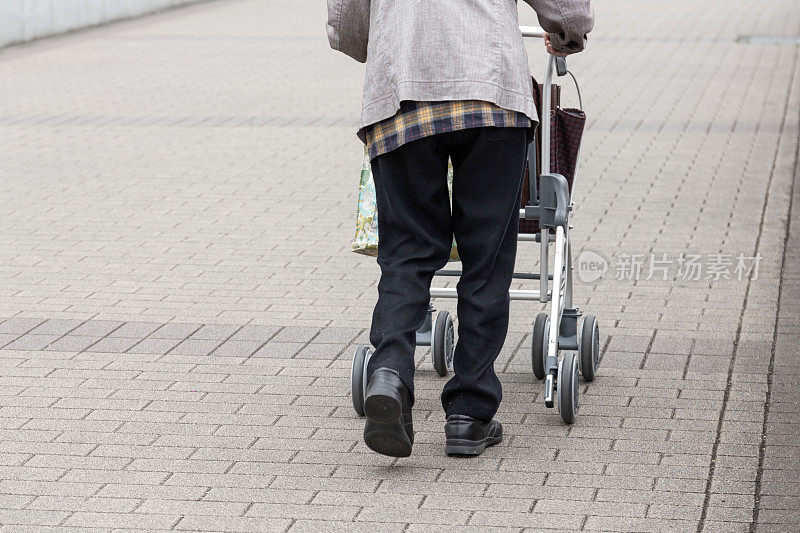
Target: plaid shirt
column 416, row 120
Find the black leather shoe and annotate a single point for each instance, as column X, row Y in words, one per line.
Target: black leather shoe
column 389, row 429
column 469, row 436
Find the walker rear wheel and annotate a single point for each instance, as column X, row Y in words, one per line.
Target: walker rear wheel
column 541, row 334
column 358, row 378
column 589, row 348
column 443, row 337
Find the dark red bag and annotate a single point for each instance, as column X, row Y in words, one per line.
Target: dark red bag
column 566, row 132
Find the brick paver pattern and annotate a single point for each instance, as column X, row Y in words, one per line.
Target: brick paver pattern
column 177, row 197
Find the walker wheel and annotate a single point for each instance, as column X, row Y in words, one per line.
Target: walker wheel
column 589, row 348
column 568, row 387
column 358, row 378
column 541, row 334
column 443, row 337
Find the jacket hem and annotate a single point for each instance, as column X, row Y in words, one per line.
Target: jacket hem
column 439, row 91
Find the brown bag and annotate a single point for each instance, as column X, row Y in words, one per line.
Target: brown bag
column 566, row 132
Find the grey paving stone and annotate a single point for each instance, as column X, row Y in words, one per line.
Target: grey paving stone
column 711, row 347
column 154, row 345
column 622, row 359
column 237, row 348
column 175, row 331
column 670, row 345
column 255, row 333
column 132, row 520
column 280, row 350
column 19, row 326
column 56, row 327
column 621, row 343
column 320, row 351
column 112, row 345
column 536, row 521
column 135, row 330
column 295, row 334
column 665, row 361
column 195, row 347
column 95, row 328
column 72, row 343
column 217, row 332
column 708, row 363
column 5, row 338
column 74, row 503
column 336, row 335
column 235, row 523
column 31, row 342
column 33, row 517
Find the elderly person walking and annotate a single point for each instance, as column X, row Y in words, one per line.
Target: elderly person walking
column 445, row 79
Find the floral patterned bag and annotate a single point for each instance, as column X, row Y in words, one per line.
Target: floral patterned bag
column 366, row 239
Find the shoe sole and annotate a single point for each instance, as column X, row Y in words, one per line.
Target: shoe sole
column 384, row 432
column 469, row 447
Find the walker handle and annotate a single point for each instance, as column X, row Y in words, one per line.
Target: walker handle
column 532, row 31
column 559, row 65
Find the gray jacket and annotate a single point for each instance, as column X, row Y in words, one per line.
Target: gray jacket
column 432, row 50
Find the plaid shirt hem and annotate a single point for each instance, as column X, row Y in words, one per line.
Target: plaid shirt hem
column 416, row 120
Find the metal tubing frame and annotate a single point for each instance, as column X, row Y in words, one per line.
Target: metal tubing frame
column 547, row 98
column 514, row 294
column 556, row 301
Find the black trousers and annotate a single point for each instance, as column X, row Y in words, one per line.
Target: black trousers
column 416, row 228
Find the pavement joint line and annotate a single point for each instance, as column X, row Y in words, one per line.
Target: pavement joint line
column 771, row 368
column 121, row 324
column 737, row 337
column 178, row 521
column 229, row 337
column 689, row 359
column 647, row 350
column 344, row 350
column 63, row 521
column 187, row 337
column 246, row 359
column 515, row 353
column 604, row 349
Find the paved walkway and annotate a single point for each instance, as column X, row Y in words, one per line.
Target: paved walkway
column 180, row 308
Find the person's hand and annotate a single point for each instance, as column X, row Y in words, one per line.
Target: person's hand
column 549, row 47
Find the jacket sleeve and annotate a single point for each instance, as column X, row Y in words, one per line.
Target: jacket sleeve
column 567, row 21
column 348, row 27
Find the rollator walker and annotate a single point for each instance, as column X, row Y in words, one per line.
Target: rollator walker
column 550, row 204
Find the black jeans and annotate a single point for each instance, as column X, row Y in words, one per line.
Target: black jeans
column 416, row 228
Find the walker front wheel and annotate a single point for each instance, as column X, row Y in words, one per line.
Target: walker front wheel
column 568, row 387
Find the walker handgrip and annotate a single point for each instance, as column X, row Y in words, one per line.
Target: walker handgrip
column 532, row 31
